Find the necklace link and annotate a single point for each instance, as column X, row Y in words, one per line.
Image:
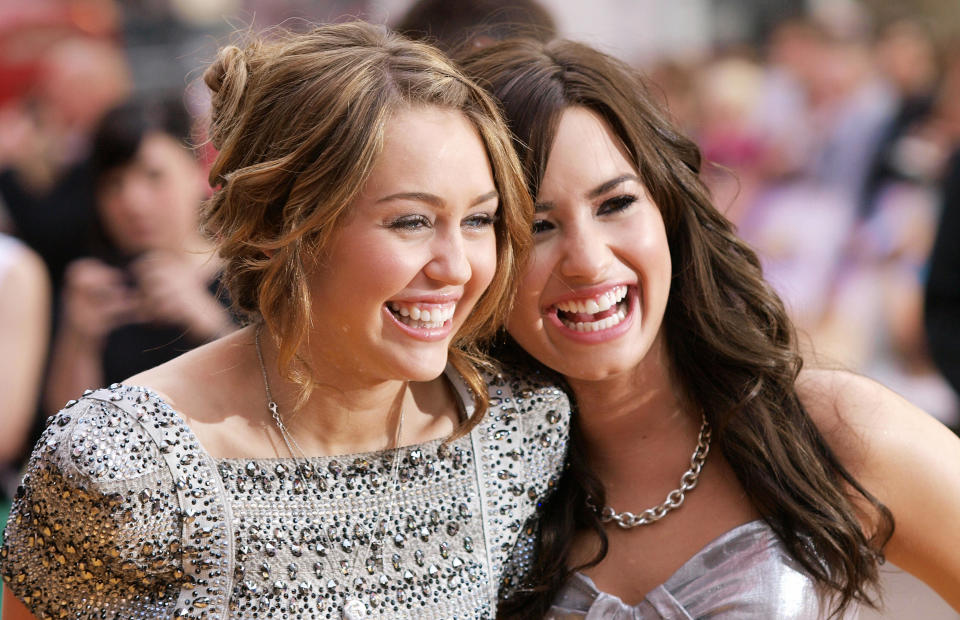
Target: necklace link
column 688, row 481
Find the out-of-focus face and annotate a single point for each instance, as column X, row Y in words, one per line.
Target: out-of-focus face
column 592, row 299
column 153, row 202
column 416, row 251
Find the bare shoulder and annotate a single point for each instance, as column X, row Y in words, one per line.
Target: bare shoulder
column 898, row 452
column 843, row 402
column 201, row 383
column 903, row 456
column 862, row 419
column 216, row 389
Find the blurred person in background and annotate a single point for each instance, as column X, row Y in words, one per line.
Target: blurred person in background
column 875, row 322
column 942, row 294
column 45, row 181
column 149, row 291
column 908, row 58
column 844, row 229
column 757, row 123
column 942, row 302
column 24, row 330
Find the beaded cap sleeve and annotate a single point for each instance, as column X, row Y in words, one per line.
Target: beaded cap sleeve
column 99, row 525
column 122, row 514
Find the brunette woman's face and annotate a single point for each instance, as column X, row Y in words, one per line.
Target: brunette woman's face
column 416, row 251
column 592, row 299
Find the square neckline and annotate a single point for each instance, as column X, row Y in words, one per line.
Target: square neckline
column 462, row 394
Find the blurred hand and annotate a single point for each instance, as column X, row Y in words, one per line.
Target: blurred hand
column 174, row 291
column 96, row 299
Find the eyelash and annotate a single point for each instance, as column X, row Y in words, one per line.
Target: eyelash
column 610, row 206
column 481, row 220
column 541, row 226
column 409, row 222
column 616, row 204
column 414, row 222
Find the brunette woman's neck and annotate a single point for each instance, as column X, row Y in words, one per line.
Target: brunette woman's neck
column 634, row 417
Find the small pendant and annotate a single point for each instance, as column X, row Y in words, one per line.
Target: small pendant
column 354, row 609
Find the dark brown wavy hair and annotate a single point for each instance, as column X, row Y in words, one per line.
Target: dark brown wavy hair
column 732, row 346
column 299, row 121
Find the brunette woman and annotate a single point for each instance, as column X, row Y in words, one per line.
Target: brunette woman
column 328, row 460
column 782, row 487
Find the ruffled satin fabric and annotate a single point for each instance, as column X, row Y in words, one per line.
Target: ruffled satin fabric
column 745, row 573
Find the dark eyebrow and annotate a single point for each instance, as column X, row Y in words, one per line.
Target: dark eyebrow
column 542, row 207
column 434, row 200
column 607, row 186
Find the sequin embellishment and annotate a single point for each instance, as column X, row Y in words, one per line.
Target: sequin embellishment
column 123, row 515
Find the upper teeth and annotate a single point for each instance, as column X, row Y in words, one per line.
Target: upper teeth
column 600, row 303
column 433, row 314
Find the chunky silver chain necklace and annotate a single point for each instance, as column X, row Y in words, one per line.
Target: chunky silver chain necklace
column 354, row 607
column 688, row 481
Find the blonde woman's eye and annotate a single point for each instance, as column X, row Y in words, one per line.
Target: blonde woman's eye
column 480, row 220
column 409, row 222
column 616, row 204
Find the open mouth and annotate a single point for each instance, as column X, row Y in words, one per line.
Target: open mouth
column 594, row 314
column 422, row 316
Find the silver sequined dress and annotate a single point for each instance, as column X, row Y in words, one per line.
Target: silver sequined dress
column 746, row 573
column 122, row 514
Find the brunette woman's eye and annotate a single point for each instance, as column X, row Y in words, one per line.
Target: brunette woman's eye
column 409, row 222
column 541, row 226
column 616, row 204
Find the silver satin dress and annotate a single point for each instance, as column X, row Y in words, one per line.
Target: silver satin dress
column 745, row 573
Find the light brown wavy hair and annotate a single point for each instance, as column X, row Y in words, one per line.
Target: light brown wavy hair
column 299, row 123
column 732, row 347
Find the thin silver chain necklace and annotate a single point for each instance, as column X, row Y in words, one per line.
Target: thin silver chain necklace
column 688, row 481
column 353, row 608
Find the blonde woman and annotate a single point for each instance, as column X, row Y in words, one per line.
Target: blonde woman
column 330, row 460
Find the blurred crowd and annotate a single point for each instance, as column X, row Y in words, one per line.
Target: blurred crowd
column 833, row 148
column 104, row 271
column 834, row 145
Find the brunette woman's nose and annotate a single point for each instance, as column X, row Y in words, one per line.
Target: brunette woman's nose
column 586, row 255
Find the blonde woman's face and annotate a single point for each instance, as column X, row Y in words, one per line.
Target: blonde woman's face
column 593, row 295
column 415, row 253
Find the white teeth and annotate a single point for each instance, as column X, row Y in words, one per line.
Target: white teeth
column 595, row 326
column 414, row 316
column 601, row 303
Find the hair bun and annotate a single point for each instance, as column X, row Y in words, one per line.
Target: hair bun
column 227, row 79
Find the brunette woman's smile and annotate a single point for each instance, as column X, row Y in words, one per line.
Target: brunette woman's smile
column 593, row 296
